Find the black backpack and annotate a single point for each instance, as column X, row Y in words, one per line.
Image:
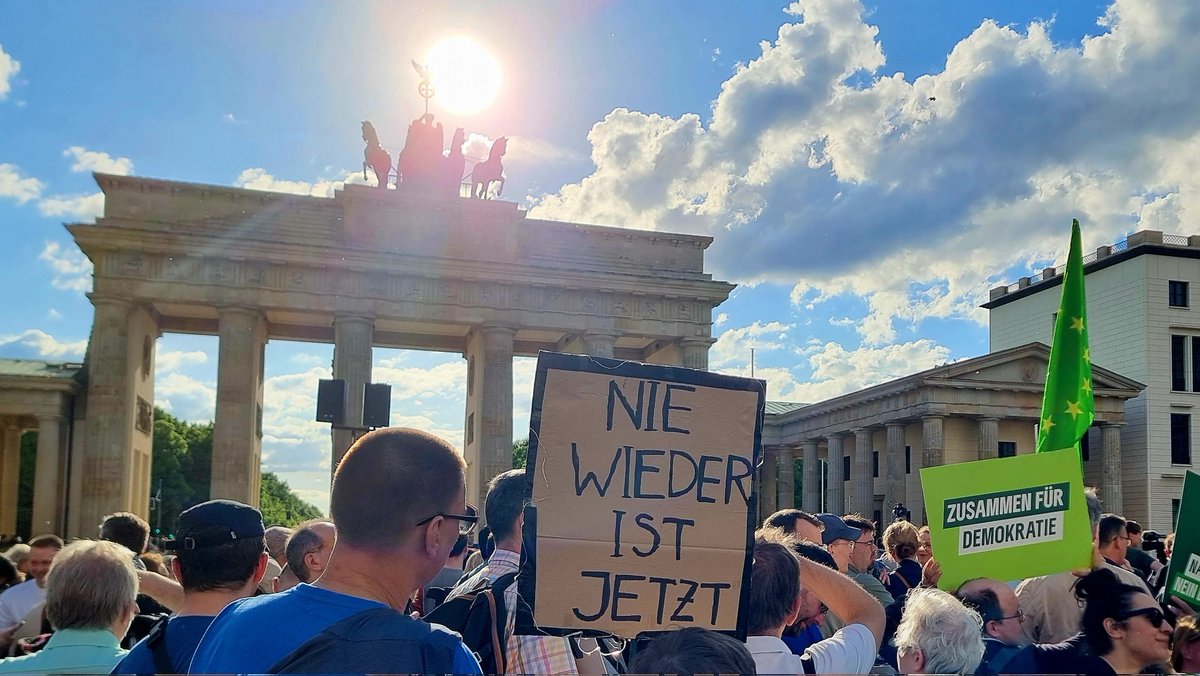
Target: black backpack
column 479, row 616
column 374, row 641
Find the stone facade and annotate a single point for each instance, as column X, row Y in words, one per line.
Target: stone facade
column 862, row 452
column 365, row 268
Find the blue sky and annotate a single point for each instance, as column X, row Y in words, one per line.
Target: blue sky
column 868, row 169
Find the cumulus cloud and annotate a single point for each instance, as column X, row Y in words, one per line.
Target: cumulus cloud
column 185, row 397
column 733, row 344
column 83, row 205
column 94, row 160
column 72, row 270
column 257, row 178
column 15, row 186
column 9, row 67
column 817, row 167
column 167, row 361
column 42, row 345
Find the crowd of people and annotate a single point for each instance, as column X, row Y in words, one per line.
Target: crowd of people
column 384, row 585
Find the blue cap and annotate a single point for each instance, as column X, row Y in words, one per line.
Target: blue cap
column 836, row 529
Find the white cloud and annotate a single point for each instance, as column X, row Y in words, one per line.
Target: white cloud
column 15, row 186
column 257, row 178
column 722, row 317
column 45, row 346
column 72, row 270
column 819, row 167
column 78, row 205
column 167, row 361
column 94, row 160
column 185, row 397
column 733, row 345
column 53, row 314
column 9, row 67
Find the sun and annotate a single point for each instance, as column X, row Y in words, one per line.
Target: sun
column 466, row 77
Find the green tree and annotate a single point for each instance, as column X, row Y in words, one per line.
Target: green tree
column 280, row 506
column 520, row 453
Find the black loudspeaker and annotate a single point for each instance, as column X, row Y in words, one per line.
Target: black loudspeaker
column 377, row 405
column 331, row 401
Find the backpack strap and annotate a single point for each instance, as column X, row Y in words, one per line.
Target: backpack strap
column 156, row 641
column 807, row 664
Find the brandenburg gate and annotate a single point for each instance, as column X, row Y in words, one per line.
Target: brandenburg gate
column 369, row 267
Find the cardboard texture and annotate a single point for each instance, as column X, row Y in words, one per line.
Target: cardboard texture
column 1008, row 518
column 642, row 478
column 1183, row 577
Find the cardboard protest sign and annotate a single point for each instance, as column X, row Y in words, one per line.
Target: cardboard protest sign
column 1008, row 518
column 642, row 487
column 1183, row 577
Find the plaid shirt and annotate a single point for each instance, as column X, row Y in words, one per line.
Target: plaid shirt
column 524, row 654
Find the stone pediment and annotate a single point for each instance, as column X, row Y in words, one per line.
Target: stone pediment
column 1025, row 364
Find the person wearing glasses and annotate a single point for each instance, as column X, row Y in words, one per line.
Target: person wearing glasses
column 1123, row 625
column 861, row 558
column 1114, row 540
column 1003, row 631
column 398, row 502
column 504, row 508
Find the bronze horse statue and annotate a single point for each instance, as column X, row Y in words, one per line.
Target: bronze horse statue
column 489, row 171
column 375, row 156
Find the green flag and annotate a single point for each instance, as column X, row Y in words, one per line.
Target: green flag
column 1067, row 405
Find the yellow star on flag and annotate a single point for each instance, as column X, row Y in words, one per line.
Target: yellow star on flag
column 1077, row 324
column 1087, row 354
column 1087, row 385
column 1047, row 423
column 1073, row 409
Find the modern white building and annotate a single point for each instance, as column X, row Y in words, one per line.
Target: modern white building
column 1142, row 325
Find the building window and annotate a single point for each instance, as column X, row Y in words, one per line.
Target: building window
column 908, row 459
column 875, row 464
column 845, row 468
column 1181, row 439
column 1008, row 449
column 1177, row 294
column 1195, row 360
column 1179, row 363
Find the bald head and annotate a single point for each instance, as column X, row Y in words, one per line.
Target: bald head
column 997, row 605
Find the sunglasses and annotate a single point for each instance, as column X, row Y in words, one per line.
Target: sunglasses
column 1153, row 615
column 466, row 522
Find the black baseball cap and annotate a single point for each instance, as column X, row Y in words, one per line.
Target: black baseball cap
column 216, row 522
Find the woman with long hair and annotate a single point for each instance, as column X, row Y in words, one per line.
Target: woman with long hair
column 1123, row 625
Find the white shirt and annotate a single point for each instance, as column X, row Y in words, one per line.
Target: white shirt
column 851, row 650
column 16, row 602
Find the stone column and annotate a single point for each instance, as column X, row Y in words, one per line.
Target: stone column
column 770, row 482
column 894, row 480
column 1111, row 476
column 812, row 478
column 111, row 405
column 489, row 431
column 933, row 454
column 10, row 475
column 862, row 489
column 353, row 337
column 48, row 482
column 599, row 344
column 989, row 438
column 237, row 432
column 695, row 352
column 835, row 502
column 787, row 478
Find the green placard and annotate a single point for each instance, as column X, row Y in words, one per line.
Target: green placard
column 1008, row 518
column 1183, row 578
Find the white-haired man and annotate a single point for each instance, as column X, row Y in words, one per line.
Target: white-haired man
column 938, row 635
column 91, row 598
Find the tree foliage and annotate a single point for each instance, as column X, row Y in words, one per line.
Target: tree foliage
column 180, row 476
column 520, row 453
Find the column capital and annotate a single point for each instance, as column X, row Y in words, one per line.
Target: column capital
column 983, row 418
column 1104, row 424
column 933, row 416
column 486, row 329
column 353, row 318
column 895, row 424
column 697, row 341
column 840, row 436
column 239, row 310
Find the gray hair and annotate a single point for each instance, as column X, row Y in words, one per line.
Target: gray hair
column 90, row 585
column 1093, row 504
column 945, row 631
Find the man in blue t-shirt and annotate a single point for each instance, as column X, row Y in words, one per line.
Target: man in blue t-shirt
column 398, row 502
column 219, row 559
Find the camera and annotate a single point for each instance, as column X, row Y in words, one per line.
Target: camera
column 901, row 513
column 1153, row 541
